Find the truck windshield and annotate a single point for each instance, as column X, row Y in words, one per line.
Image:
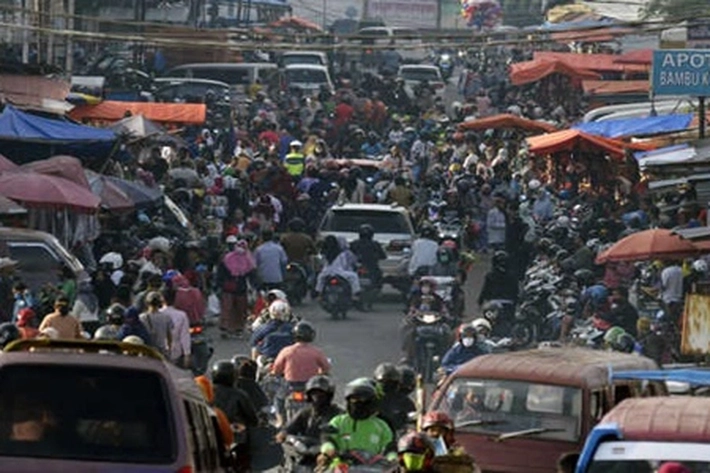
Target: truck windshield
column 514, row 409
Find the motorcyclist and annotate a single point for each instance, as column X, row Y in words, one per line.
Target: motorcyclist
column 465, row 349
column 483, row 330
column 299, row 246
column 337, row 265
column 301, row 361
column 359, row 428
column 394, row 405
column 236, row 406
column 425, row 298
column 270, row 338
column 424, row 249
column 439, row 427
column 26, row 323
column 109, row 331
column 415, row 453
column 310, row 421
column 446, row 264
column 369, row 253
column 499, row 283
column 616, row 339
column 245, row 371
column 407, row 380
column 261, row 307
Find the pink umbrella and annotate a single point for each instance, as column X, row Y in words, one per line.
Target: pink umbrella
column 42, row 190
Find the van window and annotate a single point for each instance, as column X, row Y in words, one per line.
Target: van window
column 33, row 258
column 312, row 59
column 506, row 407
column 211, row 453
column 306, row 76
column 83, row 413
column 405, row 33
column 350, row 221
column 229, row 75
column 194, row 435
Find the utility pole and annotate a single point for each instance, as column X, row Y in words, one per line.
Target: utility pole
column 69, row 55
column 365, row 10
column 439, row 9
column 325, row 9
column 25, row 33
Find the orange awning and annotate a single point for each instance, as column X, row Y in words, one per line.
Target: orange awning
column 157, row 112
column 592, row 62
column 575, row 140
column 532, row 71
column 507, row 121
column 612, row 87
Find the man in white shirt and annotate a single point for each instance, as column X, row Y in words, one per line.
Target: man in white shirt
column 672, row 289
column 181, row 347
column 424, row 251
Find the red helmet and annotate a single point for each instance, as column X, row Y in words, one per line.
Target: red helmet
column 417, row 443
column 437, row 419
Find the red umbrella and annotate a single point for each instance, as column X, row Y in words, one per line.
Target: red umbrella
column 648, row 244
column 42, row 190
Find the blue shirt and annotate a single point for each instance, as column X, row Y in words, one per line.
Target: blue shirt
column 458, row 355
column 271, row 260
column 270, row 338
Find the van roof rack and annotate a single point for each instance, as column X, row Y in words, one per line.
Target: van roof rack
column 83, row 346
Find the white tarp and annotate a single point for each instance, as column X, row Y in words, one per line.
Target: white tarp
column 628, row 10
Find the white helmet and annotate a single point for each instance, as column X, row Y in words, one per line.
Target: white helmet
column 277, row 294
column 112, row 258
column 50, row 333
column 134, row 339
column 279, row 310
column 295, row 144
column 482, row 324
column 700, row 266
column 534, row 184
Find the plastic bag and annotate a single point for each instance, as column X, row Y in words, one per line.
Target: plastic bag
column 213, row 305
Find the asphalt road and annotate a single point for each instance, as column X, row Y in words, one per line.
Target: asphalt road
column 365, row 339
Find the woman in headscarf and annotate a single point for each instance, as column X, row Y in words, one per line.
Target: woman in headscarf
column 132, row 325
column 234, row 272
column 86, row 307
column 339, row 262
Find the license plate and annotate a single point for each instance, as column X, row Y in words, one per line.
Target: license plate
column 365, row 282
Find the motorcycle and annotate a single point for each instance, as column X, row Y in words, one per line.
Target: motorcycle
column 295, row 283
column 432, row 339
column 357, row 461
column 201, row 349
column 501, row 315
column 337, row 297
column 295, row 400
column 370, row 290
column 300, row 454
column 448, row 288
column 446, row 65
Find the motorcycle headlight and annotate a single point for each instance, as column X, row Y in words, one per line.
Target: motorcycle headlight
column 445, row 57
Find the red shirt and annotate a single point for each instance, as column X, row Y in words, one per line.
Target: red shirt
column 270, row 136
column 300, row 362
column 343, row 114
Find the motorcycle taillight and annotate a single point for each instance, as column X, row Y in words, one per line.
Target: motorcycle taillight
column 196, row 330
column 298, row 396
column 333, row 282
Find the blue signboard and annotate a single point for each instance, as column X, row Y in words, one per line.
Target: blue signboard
column 681, row 72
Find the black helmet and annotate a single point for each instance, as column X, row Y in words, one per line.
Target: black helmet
column 500, row 260
column 223, row 373
column 387, row 373
column 8, row 334
column 366, row 231
column 361, row 390
column 115, row 314
column 296, row 224
column 584, row 277
column 468, row 331
column 244, row 367
column 407, row 379
column 304, row 332
column 320, row 382
column 429, row 232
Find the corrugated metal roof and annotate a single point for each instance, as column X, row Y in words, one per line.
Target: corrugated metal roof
column 563, row 366
column 676, row 419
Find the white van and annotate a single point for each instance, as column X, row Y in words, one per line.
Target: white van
column 310, row 78
column 314, row 58
column 239, row 76
column 406, row 41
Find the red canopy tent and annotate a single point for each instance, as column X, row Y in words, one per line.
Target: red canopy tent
column 614, row 87
column 591, row 62
column 506, row 120
column 522, row 73
column 192, row 113
column 575, row 140
column 639, row 56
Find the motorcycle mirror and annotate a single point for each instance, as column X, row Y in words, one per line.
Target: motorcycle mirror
column 412, row 416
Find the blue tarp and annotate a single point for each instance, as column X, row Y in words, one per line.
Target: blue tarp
column 637, row 126
column 694, row 377
column 20, row 126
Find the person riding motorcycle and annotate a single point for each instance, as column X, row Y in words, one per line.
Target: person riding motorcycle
column 309, row 422
column 245, row 371
column 270, row 338
column 407, row 380
column 109, row 331
column 299, row 362
column 439, row 427
column 446, row 264
column 464, row 350
column 499, row 283
column 337, row 264
column 264, row 315
column 359, row 428
column 423, row 254
column 299, row 246
column 369, row 253
column 394, row 405
column 425, row 298
column 616, row 339
column 483, row 330
column 415, row 453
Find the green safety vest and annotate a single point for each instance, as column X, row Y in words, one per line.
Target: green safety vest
column 295, row 164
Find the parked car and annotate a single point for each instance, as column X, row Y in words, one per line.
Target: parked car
column 181, row 89
column 310, row 78
column 393, row 230
column 415, row 74
column 40, row 256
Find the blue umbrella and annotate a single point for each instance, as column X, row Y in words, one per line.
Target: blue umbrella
column 142, row 196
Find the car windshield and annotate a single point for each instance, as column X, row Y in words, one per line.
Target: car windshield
column 306, row 76
column 514, row 408
column 83, row 413
column 350, row 221
column 302, row 59
column 419, row 75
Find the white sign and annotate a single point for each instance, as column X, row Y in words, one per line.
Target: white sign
column 412, row 13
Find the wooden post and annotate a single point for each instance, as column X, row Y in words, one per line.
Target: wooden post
column 701, row 117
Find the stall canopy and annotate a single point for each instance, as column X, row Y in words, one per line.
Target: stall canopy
column 188, row 113
column 601, row 63
column 575, row 140
column 638, row 56
column 7, row 165
column 112, row 197
column 10, row 207
column 45, row 191
column 67, row 167
column 527, row 72
column 140, row 195
column 637, row 126
column 507, row 121
column 137, row 126
column 657, row 243
column 615, row 87
column 25, row 137
column 684, row 154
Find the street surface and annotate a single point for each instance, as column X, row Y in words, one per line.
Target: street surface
column 365, row 339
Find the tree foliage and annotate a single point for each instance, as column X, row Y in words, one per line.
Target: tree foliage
column 677, row 10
